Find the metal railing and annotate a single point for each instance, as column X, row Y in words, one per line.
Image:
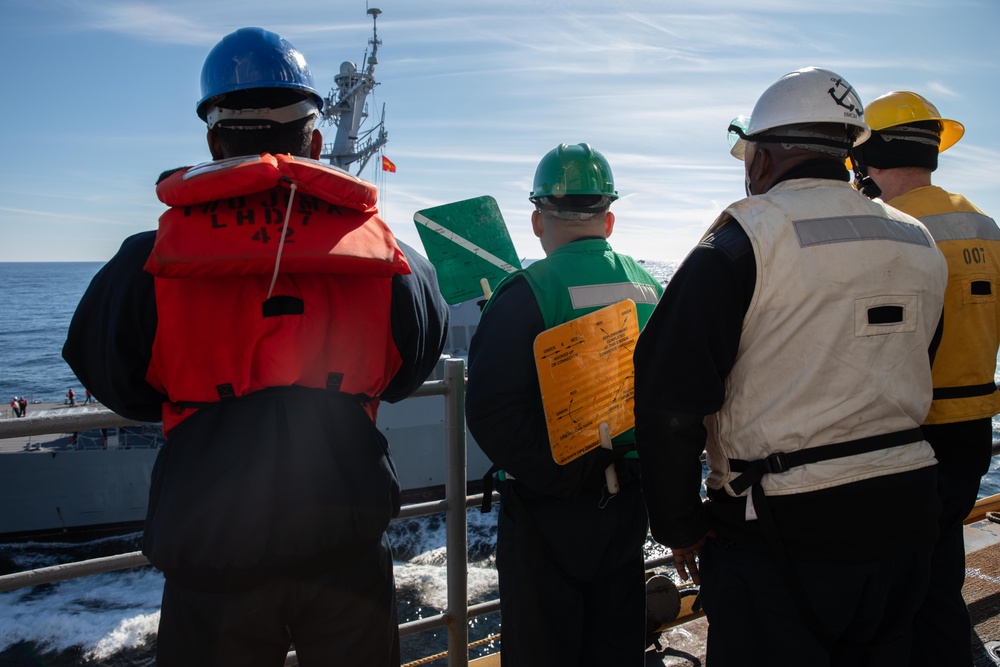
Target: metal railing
column 455, row 505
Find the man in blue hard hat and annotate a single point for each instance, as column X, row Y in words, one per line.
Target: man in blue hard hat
column 569, row 549
column 263, row 322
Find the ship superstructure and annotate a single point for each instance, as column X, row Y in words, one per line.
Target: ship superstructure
column 347, row 107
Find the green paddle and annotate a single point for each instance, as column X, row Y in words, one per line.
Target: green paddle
column 468, row 243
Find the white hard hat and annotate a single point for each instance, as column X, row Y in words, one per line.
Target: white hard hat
column 806, row 96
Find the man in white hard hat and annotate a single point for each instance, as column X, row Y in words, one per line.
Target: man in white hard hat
column 908, row 133
column 793, row 344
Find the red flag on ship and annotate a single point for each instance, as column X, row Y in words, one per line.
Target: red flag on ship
column 387, row 164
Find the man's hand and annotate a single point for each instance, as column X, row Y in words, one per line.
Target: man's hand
column 685, row 558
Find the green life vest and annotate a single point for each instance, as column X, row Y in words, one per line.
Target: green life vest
column 583, row 276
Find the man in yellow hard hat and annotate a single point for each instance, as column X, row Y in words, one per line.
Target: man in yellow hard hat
column 908, row 133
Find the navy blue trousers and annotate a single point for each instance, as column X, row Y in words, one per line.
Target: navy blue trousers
column 342, row 617
column 942, row 630
column 577, row 597
column 753, row 620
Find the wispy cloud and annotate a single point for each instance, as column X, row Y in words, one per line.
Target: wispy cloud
column 20, row 214
column 143, row 21
column 476, row 93
column 970, row 168
column 940, row 89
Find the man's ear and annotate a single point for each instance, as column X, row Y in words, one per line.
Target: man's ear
column 215, row 146
column 536, row 223
column 761, row 169
column 609, row 224
column 316, row 147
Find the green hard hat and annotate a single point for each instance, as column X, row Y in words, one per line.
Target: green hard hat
column 573, row 170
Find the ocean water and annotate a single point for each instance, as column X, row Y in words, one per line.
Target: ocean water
column 35, row 310
column 110, row 620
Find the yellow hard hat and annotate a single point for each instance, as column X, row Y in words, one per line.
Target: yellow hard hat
column 901, row 107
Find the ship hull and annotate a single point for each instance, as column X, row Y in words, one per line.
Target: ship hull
column 52, row 492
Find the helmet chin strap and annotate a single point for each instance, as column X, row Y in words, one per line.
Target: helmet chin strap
column 865, row 184
column 747, row 182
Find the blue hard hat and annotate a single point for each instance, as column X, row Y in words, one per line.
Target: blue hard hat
column 254, row 58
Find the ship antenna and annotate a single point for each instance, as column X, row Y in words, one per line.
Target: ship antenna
column 374, row 41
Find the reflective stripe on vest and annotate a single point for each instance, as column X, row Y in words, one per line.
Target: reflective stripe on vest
column 833, row 346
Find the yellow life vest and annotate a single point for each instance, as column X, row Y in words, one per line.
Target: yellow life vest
column 965, row 364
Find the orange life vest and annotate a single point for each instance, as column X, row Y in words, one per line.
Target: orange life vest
column 249, row 298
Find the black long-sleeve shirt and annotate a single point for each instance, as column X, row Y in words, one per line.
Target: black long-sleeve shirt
column 283, row 481
column 503, row 402
column 682, row 359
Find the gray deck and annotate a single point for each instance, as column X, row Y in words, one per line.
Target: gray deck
column 684, row 645
column 53, row 441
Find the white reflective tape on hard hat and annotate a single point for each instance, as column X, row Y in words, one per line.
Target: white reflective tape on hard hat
column 297, row 111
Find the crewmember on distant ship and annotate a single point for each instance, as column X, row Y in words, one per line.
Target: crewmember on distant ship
column 793, row 344
column 908, row 133
column 263, row 322
column 569, row 559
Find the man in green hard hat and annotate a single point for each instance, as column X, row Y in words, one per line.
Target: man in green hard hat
column 569, row 552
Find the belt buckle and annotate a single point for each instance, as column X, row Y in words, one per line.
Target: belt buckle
column 776, row 462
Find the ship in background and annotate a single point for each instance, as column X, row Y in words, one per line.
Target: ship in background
column 414, row 427
column 98, row 481
column 346, row 107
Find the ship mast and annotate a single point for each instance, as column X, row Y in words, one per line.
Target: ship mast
column 346, row 107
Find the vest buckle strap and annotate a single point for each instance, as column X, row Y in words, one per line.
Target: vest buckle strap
column 754, row 471
column 776, row 462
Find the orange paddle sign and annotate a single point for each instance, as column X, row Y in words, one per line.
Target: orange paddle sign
column 586, row 376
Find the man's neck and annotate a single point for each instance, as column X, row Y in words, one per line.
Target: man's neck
column 899, row 181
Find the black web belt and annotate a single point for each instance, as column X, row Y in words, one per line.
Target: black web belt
column 227, row 393
column 779, row 462
column 964, row 392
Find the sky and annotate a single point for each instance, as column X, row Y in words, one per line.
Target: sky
column 99, row 98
